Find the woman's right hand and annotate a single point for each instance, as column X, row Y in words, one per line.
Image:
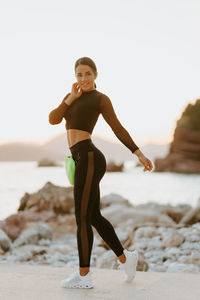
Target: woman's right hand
column 76, row 91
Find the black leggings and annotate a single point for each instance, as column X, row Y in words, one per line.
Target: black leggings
column 90, row 168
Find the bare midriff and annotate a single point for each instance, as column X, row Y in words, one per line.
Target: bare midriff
column 76, row 135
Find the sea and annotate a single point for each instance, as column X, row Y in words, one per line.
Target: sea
column 139, row 187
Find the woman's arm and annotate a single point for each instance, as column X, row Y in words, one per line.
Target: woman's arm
column 110, row 117
column 56, row 115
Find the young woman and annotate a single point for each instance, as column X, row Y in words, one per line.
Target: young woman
column 81, row 109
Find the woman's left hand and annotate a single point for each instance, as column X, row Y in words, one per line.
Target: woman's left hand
column 148, row 166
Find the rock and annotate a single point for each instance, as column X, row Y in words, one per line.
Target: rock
column 142, row 244
column 157, row 268
column 21, row 254
column 41, row 216
column 176, row 213
column 113, row 198
column 184, row 152
column 155, row 242
column 174, row 240
column 197, row 227
column 185, row 231
column 191, row 246
column 193, row 259
column 155, row 256
column 163, row 219
column 192, row 216
column 147, row 232
column 112, row 167
column 165, row 231
column 5, row 242
column 198, row 203
column 193, row 238
column 67, row 239
column 116, row 213
column 13, row 225
column 120, row 213
column 142, row 264
column 45, row 232
column 44, row 242
column 64, row 224
column 33, row 235
column 150, row 206
column 16, row 223
column 63, row 249
column 178, row 267
column 47, row 163
column 107, row 260
column 51, row 197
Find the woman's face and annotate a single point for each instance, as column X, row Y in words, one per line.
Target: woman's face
column 85, row 77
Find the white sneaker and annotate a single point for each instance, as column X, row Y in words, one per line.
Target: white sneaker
column 130, row 265
column 75, row 280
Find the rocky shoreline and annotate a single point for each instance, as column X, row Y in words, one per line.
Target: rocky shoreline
column 43, row 231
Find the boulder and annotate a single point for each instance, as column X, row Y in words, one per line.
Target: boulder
column 191, row 217
column 184, row 152
column 33, row 234
column 13, row 225
column 174, row 240
column 45, row 162
column 50, row 197
column 117, row 214
column 177, row 212
column 113, row 167
column 5, row 242
column 113, row 198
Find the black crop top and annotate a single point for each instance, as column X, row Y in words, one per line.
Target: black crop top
column 83, row 113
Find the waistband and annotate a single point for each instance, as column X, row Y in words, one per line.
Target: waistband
column 80, row 145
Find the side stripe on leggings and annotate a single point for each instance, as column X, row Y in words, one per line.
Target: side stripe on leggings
column 84, row 205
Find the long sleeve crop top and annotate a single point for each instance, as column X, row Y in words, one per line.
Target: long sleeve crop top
column 83, row 113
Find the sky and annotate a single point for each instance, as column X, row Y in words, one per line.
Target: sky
column 146, row 53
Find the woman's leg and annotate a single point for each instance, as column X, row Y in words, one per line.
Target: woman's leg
column 105, row 229
column 83, row 197
column 90, row 168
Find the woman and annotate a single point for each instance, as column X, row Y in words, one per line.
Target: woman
column 81, row 109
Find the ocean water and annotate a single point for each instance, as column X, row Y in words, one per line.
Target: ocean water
column 17, row 178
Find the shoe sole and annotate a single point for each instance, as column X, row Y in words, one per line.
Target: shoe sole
column 78, row 287
column 82, row 286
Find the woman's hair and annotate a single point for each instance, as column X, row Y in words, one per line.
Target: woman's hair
column 86, row 61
